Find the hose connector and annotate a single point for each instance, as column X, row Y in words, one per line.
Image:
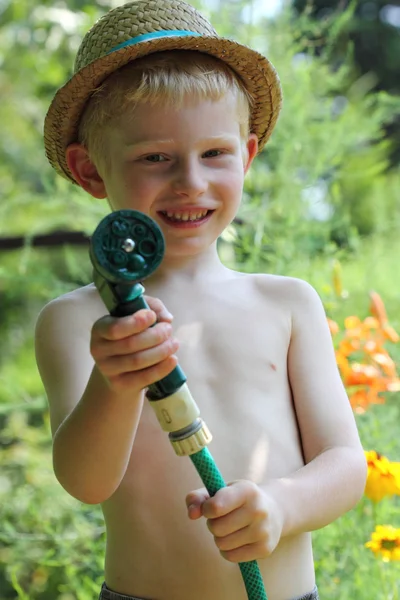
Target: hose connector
column 179, row 415
column 177, row 411
column 187, row 442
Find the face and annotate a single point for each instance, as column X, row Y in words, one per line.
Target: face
column 184, row 168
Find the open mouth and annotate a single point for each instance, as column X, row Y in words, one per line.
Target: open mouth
column 186, row 218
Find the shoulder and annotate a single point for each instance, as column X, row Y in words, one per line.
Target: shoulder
column 75, row 310
column 292, row 293
column 282, row 284
column 78, row 296
column 86, row 299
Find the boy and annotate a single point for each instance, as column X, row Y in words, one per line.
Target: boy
column 177, row 118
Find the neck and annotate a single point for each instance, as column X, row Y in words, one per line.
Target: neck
column 188, row 269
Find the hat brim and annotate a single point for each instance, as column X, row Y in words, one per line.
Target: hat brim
column 256, row 72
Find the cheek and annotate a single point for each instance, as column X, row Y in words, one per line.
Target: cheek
column 142, row 191
column 233, row 182
column 132, row 189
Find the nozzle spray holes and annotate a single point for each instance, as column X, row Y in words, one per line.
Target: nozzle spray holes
column 139, row 231
column 127, row 246
column 147, row 248
column 118, row 258
column 147, row 245
column 120, row 227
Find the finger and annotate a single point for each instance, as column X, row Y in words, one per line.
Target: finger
column 194, row 502
column 233, row 521
column 242, row 537
column 149, row 338
column 159, row 308
column 246, row 553
column 116, row 365
column 142, row 379
column 225, row 501
column 115, row 328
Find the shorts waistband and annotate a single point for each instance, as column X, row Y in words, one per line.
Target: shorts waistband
column 107, row 594
column 310, row 596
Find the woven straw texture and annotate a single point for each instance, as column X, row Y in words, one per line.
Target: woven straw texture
column 95, row 61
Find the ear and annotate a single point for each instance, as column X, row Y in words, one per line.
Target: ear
column 251, row 151
column 84, row 170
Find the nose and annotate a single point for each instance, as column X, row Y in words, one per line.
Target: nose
column 189, row 179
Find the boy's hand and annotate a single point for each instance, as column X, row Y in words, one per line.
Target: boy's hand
column 245, row 521
column 129, row 353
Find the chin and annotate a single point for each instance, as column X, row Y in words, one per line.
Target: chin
column 189, row 249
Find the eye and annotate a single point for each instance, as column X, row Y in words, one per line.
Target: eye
column 155, row 158
column 212, row 153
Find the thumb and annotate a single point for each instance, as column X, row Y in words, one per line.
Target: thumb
column 194, row 502
column 159, row 308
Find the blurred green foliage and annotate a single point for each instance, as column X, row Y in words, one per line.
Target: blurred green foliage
column 373, row 32
column 321, row 189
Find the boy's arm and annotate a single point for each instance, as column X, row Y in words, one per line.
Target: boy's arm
column 333, row 479
column 93, row 422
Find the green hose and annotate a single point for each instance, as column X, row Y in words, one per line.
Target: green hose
column 213, row 480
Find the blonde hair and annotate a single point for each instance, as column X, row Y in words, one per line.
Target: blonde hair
column 170, row 78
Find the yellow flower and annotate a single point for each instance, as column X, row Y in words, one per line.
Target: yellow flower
column 385, row 540
column 383, row 477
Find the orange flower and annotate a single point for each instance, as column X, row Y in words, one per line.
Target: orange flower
column 361, row 399
column 366, row 368
column 348, row 346
column 333, row 327
column 393, row 386
column 385, row 362
column 362, row 374
column 353, row 326
column 343, row 364
column 391, row 334
column 377, row 308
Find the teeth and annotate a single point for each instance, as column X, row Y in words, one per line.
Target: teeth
column 186, row 216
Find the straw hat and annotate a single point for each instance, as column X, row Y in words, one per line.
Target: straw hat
column 139, row 28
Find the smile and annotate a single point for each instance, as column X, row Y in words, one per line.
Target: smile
column 186, row 215
column 186, row 218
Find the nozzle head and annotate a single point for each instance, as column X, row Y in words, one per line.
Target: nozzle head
column 126, row 247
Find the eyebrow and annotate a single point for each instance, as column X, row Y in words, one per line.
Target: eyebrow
column 215, row 139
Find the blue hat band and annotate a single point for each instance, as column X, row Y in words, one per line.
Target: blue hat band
column 145, row 37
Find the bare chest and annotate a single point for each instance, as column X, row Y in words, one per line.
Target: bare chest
column 233, row 349
column 234, row 353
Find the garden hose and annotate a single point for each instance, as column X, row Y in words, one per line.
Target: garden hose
column 126, row 247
